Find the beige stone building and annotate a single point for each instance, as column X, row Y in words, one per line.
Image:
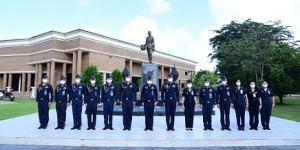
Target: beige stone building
column 24, row 61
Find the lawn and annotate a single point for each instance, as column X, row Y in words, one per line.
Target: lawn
column 23, row 106
column 289, row 110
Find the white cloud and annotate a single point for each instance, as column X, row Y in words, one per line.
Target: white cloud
column 158, row 6
column 174, row 41
column 83, row 2
column 95, row 30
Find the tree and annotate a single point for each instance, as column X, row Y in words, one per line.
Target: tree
column 247, row 51
column 87, row 74
column 117, row 78
column 198, row 79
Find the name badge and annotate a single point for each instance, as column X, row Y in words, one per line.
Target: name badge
column 254, row 95
column 63, row 93
column 228, row 94
column 210, row 95
column 79, row 92
column 45, row 92
column 241, row 91
column 269, row 92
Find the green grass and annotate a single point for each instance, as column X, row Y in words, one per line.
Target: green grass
column 290, row 109
column 22, row 106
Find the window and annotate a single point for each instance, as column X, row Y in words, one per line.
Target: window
column 182, row 85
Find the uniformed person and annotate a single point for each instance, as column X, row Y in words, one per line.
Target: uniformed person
column 92, row 102
column 44, row 102
column 189, row 104
column 254, row 106
column 268, row 103
column 62, row 102
column 224, row 97
column 108, row 100
column 170, row 99
column 77, row 102
column 127, row 99
column 149, row 97
column 207, row 103
column 240, row 104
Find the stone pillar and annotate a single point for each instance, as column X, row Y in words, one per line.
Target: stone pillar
column 104, row 77
column 170, row 70
column 23, row 82
column 40, row 72
column 64, row 70
column 9, row 80
column 162, row 75
column 28, row 82
column 52, row 76
column 4, row 81
column 74, row 66
column 79, row 53
column 36, row 75
column 48, row 68
column 130, row 69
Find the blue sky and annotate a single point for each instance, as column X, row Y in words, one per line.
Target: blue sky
column 180, row 27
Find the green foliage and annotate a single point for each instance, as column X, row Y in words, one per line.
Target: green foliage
column 87, row 74
column 117, row 78
column 138, row 82
column 253, row 51
column 198, row 79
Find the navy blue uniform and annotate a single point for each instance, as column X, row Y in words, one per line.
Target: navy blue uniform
column 253, row 100
column 149, row 96
column 61, row 100
column 266, row 108
column 240, row 105
column 224, row 97
column 127, row 97
column 77, row 99
column 108, row 98
column 91, row 98
column 189, row 105
column 207, row 100
column 42, row 98
column 170, row 96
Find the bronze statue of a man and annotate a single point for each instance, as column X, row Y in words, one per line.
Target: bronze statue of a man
column 149, row 45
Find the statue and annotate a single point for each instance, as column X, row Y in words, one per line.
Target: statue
column 149, row 45
column 33, row 92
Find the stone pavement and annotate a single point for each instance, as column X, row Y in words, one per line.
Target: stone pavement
column 23, row 131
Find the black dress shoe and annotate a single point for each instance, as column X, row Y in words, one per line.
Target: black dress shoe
column 62, row 128
column 191, row 129
column 105, row 128
column 228, row 129
column 89, row 128
column 255, row 128
column 93, row 128
column 168, row 129
column 44, row 127
column 73, row 128
column 40, row 127
column 111, row 128
column 57, row 128
column 251, row 128
column 264, row 128
column 240, row 129
column 205, row 129
column 151, row 129
column 78, row 128
column 243, row 129
column 145, row 129
column 172, row 129
column 187, row 129
column 124, row 128
column 129, row 129
column 211, row 129
column 223, row 129
column 268, row 128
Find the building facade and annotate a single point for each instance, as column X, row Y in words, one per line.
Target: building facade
column 24, row 61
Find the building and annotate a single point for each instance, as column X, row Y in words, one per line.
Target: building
column 24, row 61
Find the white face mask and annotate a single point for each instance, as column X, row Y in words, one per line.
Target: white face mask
column 127, row 79
column 252, row 86
column 170, row 80
column 62, row 82
column 93, row 81
column 108, row 81
column 206, row 84
column 189, row 85
column 265, row 85
column 238, row 83
column 224, row 82
column 45, row 81
column 77, row 80
column 149, row 82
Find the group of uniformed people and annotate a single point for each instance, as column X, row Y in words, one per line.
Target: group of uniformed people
column 225, row 98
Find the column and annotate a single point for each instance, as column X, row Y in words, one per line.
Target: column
column 79, row 53
column 64, row 70
column 28, row 82
column 48, row 68
column 130, row 68
column 20, row 82
column 4, row 81
column 52, row 77
column 104, row 77
column 162, row 75
column 10, row 80
column 23, row 82
column 36, row 75
column 74, row 66
column 40, row 72
column 170, row 70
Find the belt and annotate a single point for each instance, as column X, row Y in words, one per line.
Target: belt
column 41, row 98
column 91, row 99
column 127, row 99
column 149, row 100
column 207, row 102
column 108, row 100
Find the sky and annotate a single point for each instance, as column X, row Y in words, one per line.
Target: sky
column 180, row 27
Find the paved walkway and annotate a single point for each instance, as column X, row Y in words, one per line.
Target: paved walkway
column 23, row 131
column 6, row 102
